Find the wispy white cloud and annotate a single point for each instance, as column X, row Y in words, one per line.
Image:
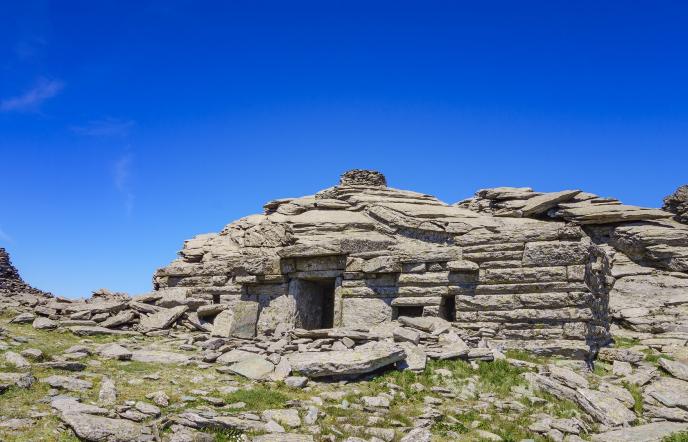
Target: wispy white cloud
column 29, row 47
column 32, row 99
column 4, row 236
column 122, row 179
column 107, row 127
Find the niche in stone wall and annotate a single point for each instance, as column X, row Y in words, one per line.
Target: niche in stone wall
column 314, row 302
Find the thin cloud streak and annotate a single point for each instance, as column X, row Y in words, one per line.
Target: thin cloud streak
column 122, row 181
column 107, row 127
column 4, row 236
column 32, row 99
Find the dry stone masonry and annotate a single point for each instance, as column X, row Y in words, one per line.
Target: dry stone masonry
column 359, row 279
column 552, row 273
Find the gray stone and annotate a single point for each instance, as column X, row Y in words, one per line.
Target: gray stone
column 162, row 319
column 415, row 357
column 41, row 323
column 239, row 321
column 114, row 351
column 669, row 391
column 255, row 367
column 107, row 395
column 68, row 404
column 67, row 383
column 676, row 369
column 122, row 318
column 296, row 381
column 604, row 408
column 159, row 357
column 17, row 360
column 289, row 417
column 654, row 432
column 405, row 334
column 362, row 359
column 287, row 437
column 103, row 429
column 417, row 435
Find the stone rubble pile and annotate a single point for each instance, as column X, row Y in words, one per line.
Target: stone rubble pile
column 677, row 203
column 510, row 267
column 14, row 292
column 361, row 278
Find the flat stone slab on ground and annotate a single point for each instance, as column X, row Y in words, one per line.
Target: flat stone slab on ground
column 103, row 429
column 159, row 357
column 653, row 432
column 362, row 359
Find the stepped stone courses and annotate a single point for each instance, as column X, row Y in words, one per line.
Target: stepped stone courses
column 361, row 277
column 509, row 267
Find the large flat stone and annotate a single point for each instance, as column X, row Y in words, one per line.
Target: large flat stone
column 653, row 432
column 162, row 319
column 160, row 357
column 255, row 367
column 362, row 359
column 102, row 429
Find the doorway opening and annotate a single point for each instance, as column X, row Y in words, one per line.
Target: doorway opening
column 315, row 302
column 414, row 311
column 448, row 308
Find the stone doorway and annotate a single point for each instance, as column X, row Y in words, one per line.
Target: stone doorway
column 314, row 302
column 413, row 311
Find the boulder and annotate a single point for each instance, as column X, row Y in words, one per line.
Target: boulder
column 669, row 391
column 238, row 321
column 255, row 367
column 114, row 351
column 159, row 357
column 676, row 369
column 103, row 429
column 677, row 203
column 162, row 319
column 654, row 432
column 67, row 383
column 41, row 323
column 362, row 359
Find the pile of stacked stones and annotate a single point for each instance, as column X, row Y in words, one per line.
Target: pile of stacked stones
column 360, row 277
column 14, row 292
column 509, row 268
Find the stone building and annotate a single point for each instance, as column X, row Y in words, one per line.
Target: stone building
column 517, row 268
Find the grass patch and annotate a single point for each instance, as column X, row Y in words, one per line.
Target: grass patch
column 620, row 342
column 654, row 358
column 228, row 435
column 637, row 397
column 677, row 437
column 527, row 356
column 258, row 398
column 499, row 376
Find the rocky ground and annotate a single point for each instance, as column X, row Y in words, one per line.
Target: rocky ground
column 189, row 386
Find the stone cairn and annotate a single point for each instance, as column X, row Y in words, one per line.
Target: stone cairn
column 507, row 268
column 361, row 276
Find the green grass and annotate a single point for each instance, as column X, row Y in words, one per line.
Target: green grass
column 677, row 437
column 499, row 376
column 620, row 342
column 229, row 435
column 654, row 358
column 258, row 398
column 527, row 356
column 637, row 397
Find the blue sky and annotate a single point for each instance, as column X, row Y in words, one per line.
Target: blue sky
column 127, row 127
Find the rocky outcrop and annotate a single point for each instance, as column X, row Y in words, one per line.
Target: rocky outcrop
column 677, row 203
column 548, row 272
column 14, row 292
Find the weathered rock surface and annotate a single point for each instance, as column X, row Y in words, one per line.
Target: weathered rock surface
column 102, row 429
column 654, row 432
column 363, row 359
column 677, row 203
